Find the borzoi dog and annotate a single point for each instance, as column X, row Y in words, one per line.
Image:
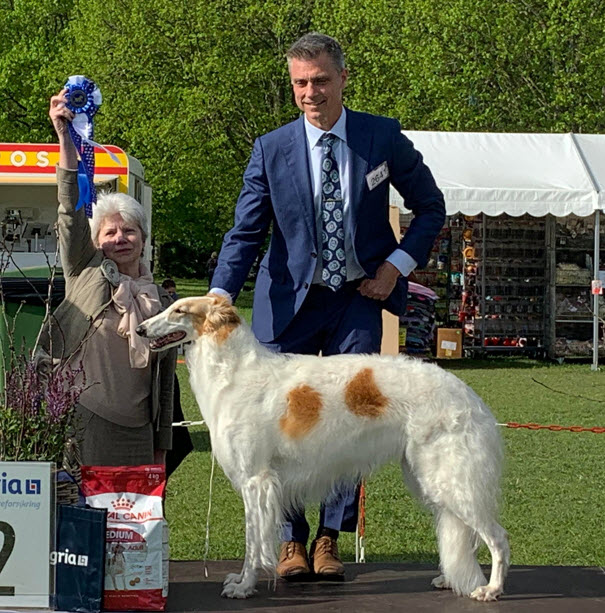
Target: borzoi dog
column 285, row 428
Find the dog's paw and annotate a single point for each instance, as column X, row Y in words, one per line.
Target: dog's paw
column 440, row 583
column 232, row 578
column 238, row 590
column 486, row 593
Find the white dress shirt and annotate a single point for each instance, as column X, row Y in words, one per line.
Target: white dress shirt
column 404, row 262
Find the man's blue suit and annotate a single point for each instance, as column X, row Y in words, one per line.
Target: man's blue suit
column 277, row 189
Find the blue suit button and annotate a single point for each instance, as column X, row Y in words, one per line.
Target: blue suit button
column 313, row 254
column 306, row 285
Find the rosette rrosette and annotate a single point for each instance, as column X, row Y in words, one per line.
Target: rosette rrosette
column 84, row 99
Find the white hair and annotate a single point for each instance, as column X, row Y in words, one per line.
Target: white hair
column 112, row 203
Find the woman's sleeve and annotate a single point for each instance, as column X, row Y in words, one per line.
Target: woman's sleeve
column 75, row 242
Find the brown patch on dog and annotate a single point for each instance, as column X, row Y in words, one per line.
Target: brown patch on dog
column 304, row 407
column 363, row 397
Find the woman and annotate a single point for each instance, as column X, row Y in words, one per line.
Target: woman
column 124, row 416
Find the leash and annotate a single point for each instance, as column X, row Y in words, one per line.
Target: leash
column 186, row 423
column 207, row 544
column 552, row 427
column 360, row 532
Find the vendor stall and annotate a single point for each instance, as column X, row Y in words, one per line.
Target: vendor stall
column 524, row 214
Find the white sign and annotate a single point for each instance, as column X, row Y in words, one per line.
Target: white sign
column 26, row 532
column 377, row 176
column 449, row 345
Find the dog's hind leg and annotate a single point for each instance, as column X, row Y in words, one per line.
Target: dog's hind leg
column 415, row 488
column 497, row 541
column 262, row 503
column 457, row 545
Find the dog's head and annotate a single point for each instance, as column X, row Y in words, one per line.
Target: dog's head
column 190, row 318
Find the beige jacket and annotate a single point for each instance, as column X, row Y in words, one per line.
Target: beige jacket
column 90, row 279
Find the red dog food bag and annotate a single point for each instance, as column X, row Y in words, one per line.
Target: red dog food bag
column 136, row 537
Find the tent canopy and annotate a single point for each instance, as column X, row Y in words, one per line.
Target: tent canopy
column 495, row 173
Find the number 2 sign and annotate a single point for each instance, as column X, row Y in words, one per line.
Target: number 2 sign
column 26, row 533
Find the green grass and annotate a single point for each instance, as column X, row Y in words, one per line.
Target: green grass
column 553, row 488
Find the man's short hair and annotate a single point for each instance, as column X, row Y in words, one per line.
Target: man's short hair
column 168, row 283
column 312, row 45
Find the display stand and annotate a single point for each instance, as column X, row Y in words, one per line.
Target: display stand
column 504, row 284
column 573, row 262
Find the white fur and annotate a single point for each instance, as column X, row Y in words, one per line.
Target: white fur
column 442, row 433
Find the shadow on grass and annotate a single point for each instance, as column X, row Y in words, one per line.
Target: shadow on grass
column 201, row 440
column 495, row 363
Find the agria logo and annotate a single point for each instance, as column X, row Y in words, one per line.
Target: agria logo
column 19, row 486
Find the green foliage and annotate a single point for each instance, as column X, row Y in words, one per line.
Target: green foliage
column 29, row 437
column 33, row 35
column 188, row 86
column 188, row 96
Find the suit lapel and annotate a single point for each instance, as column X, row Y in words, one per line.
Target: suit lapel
column 295, row 151
column 359, row 141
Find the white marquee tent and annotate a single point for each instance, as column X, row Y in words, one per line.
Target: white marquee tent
column 493, row 173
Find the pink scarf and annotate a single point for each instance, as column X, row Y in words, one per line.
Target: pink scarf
column 136, row 300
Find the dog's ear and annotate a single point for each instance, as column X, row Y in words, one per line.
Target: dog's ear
column 221, row 315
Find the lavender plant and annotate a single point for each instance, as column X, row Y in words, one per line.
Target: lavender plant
column 36, row 410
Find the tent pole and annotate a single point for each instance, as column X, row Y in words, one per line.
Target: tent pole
column 595, row 297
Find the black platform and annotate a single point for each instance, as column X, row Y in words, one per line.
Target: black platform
column 389, row 587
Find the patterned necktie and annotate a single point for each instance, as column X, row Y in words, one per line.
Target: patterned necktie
column 334, row 269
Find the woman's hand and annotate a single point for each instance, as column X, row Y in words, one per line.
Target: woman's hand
column 60, row 115
column 159, row 456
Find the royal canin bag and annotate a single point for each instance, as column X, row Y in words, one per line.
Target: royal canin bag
column 136, row 555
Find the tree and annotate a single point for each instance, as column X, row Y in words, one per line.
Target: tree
column 188, row 86
column 32, row 36
column 187, row 96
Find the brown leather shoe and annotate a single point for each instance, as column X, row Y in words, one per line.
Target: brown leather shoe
column 292, row 561
column 324, row 556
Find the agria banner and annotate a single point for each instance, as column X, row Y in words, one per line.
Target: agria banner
column 26, row 533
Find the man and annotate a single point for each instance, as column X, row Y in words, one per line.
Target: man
column 322, row 183
column 211, row 266
column 170, row 286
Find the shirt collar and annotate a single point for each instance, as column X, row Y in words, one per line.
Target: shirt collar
column 338, row 129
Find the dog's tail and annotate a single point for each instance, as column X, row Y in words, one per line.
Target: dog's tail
column 457, row 545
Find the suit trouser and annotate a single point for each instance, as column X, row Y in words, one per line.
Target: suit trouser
column 331, row 323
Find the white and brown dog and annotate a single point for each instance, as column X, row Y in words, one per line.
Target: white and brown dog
column 285, row 428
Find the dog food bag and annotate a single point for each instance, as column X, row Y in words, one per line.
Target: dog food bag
column 136, row 561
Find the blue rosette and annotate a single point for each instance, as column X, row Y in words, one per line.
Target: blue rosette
column 84, row 99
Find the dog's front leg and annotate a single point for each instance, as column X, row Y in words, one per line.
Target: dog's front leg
column 262, row 504
column 242, row 585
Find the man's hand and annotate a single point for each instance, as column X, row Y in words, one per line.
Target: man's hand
column 381, row 286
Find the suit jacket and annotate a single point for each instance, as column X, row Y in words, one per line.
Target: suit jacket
column 277, row 191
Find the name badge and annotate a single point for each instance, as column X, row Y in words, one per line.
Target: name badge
column 377, row 176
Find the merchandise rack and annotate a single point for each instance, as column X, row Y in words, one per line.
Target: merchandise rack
column 504, row 285
column 570, row 252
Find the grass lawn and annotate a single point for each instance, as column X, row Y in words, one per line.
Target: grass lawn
column 553, row 489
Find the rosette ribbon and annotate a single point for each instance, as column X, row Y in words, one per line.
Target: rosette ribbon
column 84, row 99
